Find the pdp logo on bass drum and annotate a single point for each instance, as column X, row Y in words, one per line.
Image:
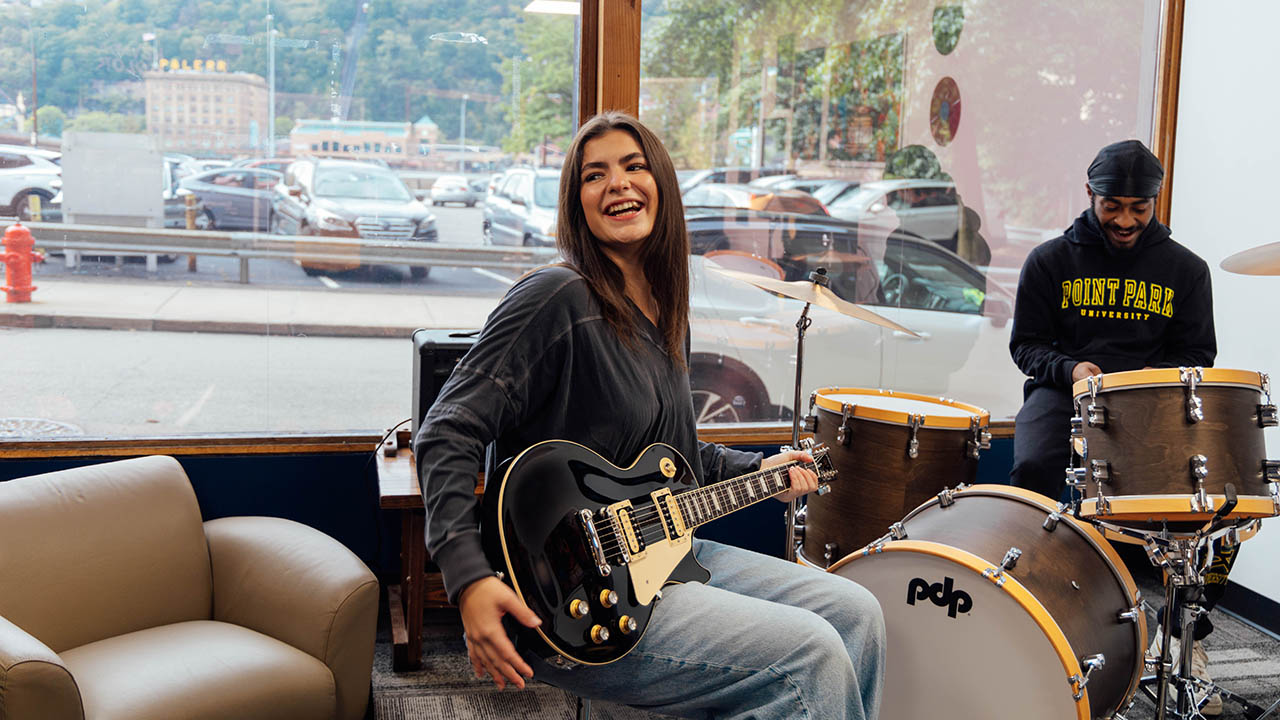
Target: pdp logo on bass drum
column 943, row 594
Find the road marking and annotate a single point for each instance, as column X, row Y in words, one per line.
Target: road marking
column 190, row 414
column 329, row 282
column 494, row 276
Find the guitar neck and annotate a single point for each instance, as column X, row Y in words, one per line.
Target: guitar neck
column 705, row 504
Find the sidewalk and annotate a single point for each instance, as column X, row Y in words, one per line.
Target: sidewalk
column 238, row 309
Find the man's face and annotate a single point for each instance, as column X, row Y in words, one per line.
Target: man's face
column 1122, row 218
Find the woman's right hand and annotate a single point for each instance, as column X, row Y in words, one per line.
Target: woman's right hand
column 483, row 603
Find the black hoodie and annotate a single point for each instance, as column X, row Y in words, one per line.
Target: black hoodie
column 1080, row 298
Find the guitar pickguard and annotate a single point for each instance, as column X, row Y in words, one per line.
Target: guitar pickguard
column 651, row 563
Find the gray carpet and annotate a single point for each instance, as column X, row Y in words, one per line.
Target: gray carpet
column 1241, row 658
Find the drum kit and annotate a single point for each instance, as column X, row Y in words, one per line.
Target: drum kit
column 999, row 601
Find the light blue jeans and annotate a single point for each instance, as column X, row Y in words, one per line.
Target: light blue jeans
column 765, row 639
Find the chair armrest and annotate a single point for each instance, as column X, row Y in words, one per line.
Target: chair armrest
column 302, row 587
column 34, row 684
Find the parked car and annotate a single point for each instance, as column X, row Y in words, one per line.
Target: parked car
column 456, row 189
column 209, row 164
column 743, row 339
column 752, row 198
column 727, row 175
column 27, row 171
column 925, row 207
column 522, row 208
column 278, row 164
column 343, row 198
column 235, row 198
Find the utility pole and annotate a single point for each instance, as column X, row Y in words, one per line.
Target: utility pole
column 462, row 162
column 35, row 101
column 271, row 84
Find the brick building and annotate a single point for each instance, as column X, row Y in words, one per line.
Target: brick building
column 207, row 113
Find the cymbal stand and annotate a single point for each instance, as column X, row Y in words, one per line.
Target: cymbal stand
column 817, row 277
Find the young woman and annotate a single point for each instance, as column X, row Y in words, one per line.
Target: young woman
column 595, row 351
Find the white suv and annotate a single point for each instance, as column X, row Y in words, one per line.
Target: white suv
column 26, row 171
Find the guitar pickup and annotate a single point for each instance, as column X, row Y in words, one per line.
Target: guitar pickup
column 669, row 510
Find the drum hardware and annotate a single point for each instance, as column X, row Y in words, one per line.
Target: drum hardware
column 897, row 531
column 947, row 497
column 981, row 438
column 830, row 551
column 1195, row 407
column 1051, row 521
column 1097, row 415
column 1200, row 502
column 996, row 575
column 845, row 433
column 1090, row 663
column 913, row 446
column 1130, row 615
column 1271, row 472
column 1267, row 416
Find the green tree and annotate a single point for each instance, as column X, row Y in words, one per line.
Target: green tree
column 52, row 120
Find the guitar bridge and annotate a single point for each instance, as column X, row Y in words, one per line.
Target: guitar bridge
column 593, row 542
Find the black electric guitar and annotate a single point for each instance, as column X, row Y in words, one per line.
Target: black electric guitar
column 588, row 546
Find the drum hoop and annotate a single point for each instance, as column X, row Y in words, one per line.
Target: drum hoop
column 1090, row 534
column 1161, row 377
column 1251, row 506
column 897, row 417
column 1016, row 591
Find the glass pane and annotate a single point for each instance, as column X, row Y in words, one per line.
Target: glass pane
column 917, row 151
column 311, row 142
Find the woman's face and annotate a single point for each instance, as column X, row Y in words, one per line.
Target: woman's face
column 619, row 196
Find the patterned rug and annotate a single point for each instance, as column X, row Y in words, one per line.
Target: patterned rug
column 1242, row 659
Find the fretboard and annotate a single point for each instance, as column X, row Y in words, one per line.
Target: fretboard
column 706, row 504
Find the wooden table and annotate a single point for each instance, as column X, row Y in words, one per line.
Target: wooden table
column 417, row 589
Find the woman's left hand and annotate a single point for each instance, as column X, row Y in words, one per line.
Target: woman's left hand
column 803, row 480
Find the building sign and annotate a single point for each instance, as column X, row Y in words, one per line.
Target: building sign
column 197, row 65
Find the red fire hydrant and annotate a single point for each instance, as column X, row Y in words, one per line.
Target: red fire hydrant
column 18, row 257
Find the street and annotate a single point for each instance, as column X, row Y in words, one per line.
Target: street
column 122, row 383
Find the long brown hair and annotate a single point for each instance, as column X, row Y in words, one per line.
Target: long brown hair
column 665, row 256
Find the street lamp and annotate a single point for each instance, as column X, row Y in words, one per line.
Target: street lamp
column 462, row 159
column 155, row 49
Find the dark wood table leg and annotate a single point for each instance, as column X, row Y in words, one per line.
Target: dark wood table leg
column 405, row 600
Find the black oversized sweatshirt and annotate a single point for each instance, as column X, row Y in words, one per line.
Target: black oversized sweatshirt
column 548, row 366
column 1081, row 299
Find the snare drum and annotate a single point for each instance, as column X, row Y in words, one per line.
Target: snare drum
column 996, row 605
column 893, row 451
column 1160, row 445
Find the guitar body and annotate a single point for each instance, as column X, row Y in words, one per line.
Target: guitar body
column 535, row 532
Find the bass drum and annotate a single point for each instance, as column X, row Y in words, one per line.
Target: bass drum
column 997, row 605
column 892, row 451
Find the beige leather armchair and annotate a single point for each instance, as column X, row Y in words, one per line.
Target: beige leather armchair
column 116, row 602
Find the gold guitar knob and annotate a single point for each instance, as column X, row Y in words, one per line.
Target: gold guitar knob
column 577, row 608
column 627, row 624
column 608, row 598
column 599, row 634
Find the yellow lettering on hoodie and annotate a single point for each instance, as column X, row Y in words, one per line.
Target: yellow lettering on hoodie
column 1077, row 289
column 1130, row 288
column 1140, row 300
column 1153, row 302
column 1066, row 293
column 1112, row 284
column 1167, row 311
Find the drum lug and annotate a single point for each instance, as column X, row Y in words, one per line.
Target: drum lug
column 981, row 439
column 1271, row 470
column 947, row 497
column 845, row 433
column 1195, row 408
column 1051, row 522
column 1076, row 477
column 1104, row 505
column 829, row 552
column 1100, row 470
column 1010, row 560
column 1200, row 502
column 896, row 532
column 1090, row 663
column 913, row 446
column 1267, row 416
column 1097, row 415
column 1129, row 616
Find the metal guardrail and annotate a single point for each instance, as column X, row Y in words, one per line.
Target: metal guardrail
column 74, row 240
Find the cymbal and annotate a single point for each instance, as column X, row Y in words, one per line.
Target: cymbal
column 1262, row 260
column 816, row 294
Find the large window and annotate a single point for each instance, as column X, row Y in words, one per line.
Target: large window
column 917, row 150
column 340, row 160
